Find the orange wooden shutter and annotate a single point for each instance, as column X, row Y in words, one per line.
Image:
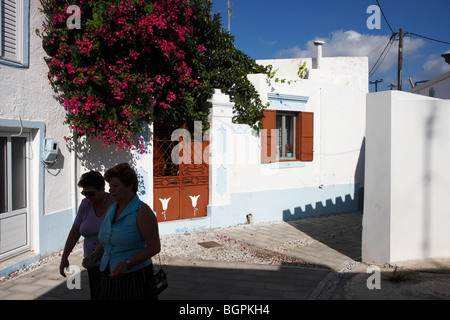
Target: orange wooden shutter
column 268, row 149
column 306, row 136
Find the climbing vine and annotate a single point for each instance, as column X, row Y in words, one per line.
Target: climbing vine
column 136, row 62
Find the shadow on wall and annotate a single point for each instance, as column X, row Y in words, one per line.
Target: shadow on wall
column 359, row 176
column 351, row 203
column 92, row 155
column 339, row 205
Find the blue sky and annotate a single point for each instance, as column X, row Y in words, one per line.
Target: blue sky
column 266, row 29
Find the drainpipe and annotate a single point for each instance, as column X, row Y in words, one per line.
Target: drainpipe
column 318, row 44
column 74, row 183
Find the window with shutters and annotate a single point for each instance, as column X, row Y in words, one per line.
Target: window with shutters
column 13, row 26
column 287, row 136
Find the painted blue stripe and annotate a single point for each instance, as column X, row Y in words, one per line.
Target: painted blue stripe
column 274, row 205
column 285, row 205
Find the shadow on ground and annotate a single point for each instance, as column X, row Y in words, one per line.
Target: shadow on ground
column 203, row 280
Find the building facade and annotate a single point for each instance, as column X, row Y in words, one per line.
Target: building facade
column 307, row 161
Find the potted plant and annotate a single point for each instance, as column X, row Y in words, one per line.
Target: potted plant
column 288, row 150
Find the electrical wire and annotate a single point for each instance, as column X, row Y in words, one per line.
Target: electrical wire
column 385, row 19
column 417, row 35
column 374, row 50
column 382, row 56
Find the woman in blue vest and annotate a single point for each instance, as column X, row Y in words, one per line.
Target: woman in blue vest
column 129, row 238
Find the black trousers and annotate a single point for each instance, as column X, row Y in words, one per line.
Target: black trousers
column 131, row 286
column 94, row 276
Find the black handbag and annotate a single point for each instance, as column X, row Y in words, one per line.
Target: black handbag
column 159, row 281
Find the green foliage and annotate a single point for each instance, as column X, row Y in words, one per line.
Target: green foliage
column 134, row 62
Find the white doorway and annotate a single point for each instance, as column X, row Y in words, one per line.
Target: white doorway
column 14, row 194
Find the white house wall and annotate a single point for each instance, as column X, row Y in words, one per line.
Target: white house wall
column 330, row 184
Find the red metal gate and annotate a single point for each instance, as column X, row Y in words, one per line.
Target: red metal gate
column 180, row 191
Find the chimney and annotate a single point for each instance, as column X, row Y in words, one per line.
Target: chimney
column 446, row 57
column 318, row 44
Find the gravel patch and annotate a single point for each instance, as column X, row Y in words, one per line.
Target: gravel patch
column 221, row 248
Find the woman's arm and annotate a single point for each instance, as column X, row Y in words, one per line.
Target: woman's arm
column 71, row 241
column 96, row 255
column 148, row 226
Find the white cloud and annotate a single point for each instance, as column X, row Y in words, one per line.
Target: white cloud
column 434, row 66
column 267, row 43
column 352, row 43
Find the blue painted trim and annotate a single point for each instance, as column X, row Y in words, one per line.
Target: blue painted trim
column 15, row 123
column 33, row 125
column 26, row 34
column 39, row 126
column 281, row 96
column 284, row 102
column 287, row 204
column 221, row 180
column 19, row 265
column 184, row 226
column 287, row 164
column 53, row 230
column 274, row 205
column 13, row 64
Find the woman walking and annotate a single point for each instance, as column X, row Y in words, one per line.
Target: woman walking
column 87, row 223
column 129, row 238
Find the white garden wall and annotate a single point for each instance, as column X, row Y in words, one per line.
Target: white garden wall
column 407, row 181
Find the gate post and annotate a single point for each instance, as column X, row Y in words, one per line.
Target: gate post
column 220, row 119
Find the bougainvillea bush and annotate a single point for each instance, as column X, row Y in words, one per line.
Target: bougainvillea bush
column 134, row 62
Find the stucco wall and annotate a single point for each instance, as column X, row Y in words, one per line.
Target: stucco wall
column 406, row 180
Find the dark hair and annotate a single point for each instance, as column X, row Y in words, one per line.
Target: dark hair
column 92, row 179
column 125, row 173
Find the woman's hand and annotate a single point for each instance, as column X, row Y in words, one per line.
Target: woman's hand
column 119, row 270
column 63, row 266
column 88, row 262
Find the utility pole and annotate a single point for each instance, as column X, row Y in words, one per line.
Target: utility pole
column 376, row 84
column 400, row 59
column 229, row 16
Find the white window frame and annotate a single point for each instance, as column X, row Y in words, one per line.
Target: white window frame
column 14, row 33
column 282, row 138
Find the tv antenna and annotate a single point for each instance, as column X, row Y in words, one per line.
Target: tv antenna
column 230, row 14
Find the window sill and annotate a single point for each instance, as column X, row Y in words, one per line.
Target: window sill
column 283, row 164
column 13, row 64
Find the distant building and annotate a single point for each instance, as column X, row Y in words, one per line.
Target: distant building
column 438, row 87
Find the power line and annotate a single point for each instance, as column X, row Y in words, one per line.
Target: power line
column 385, row 19
column 414, row 34
column 374, row 50
column 417, row 35
column 382, row 56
